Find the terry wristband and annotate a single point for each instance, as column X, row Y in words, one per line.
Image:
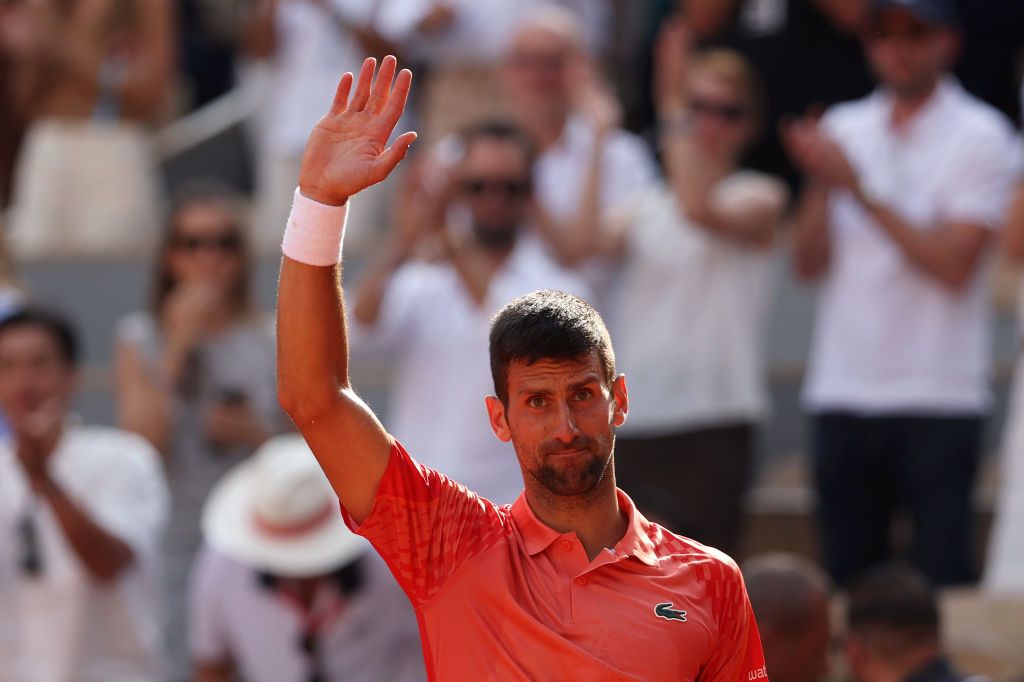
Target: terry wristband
column 314, row 231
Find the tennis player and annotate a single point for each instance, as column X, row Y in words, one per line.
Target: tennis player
column 570, row 582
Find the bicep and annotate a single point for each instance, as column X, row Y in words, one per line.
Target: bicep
column 352, row 448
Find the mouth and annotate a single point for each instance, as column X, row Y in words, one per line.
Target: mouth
column 568, row 453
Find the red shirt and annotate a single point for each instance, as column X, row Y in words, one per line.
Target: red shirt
column 501, row 596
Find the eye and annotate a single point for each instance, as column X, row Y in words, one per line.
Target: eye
column 583, row 394
column 536, row 401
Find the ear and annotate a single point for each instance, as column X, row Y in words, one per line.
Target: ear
column 620, row 395
column 499, row 422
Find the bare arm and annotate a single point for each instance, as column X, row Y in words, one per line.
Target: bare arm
column 147, row 81
column 345, row 154
column 259, row 33
column 143, row 405
column 812, row 242
column 950, row 254
column 103, row 555
column 1013, row 231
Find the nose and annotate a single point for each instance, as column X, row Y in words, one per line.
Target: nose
column 566, row 430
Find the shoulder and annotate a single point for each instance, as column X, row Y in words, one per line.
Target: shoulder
column 847, row 117
column 115, row 449
column 980, row 121
column 709, row 565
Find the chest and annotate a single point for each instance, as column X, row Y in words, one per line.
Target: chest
column 622, row 615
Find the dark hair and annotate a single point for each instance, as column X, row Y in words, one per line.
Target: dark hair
column 200, row 193
column 547, row 324
column 783, row 588
column 895, row 597
column 501, row 131
column 56, row 325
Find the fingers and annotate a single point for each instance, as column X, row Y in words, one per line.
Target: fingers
column 394, row 154
column 362, row 93
column 340, row 103
column 382, row 86
column 396, row 102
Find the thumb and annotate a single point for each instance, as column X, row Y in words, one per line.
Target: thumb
column 391, row 156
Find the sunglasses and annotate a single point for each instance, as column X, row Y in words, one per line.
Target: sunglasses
column 225, row 243
column 729, row 113
column 508, row 189
column 31, row 561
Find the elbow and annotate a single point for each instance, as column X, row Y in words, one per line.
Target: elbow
column 107, row 572
column 306, row 406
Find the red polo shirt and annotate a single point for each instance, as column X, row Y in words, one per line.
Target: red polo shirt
column 501, row 596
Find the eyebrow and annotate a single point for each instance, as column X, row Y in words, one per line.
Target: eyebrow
column 527, row 390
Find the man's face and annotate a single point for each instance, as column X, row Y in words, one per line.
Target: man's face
column 561, row 417
column 908, row 55
column 538, row 70
column 494, row 182
column 34, row 375
column 801, row 655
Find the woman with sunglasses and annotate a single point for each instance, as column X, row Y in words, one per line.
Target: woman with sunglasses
column 195, row 373
column 688, row 313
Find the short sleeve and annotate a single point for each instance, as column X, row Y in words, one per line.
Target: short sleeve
column 133, row 502
column 981, row 186
column 426, row 526
column 737, row 654
column 207, row 638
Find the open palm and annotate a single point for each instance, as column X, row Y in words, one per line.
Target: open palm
column 347, row 151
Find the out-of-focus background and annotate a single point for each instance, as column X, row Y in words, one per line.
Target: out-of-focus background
column 148, row 155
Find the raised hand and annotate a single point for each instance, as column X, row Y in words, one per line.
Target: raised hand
column 346, row 151
column 672, row 52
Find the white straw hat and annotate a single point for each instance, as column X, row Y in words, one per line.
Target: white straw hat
column 277, row 512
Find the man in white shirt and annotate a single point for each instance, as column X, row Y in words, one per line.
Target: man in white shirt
column 905, row 189
column 284, row 592
column 81, row 512
column 586, row 163
column 435, row 314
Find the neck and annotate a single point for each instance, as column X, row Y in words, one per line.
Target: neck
column 915, row 662
column 595, row 516
column 907, row 104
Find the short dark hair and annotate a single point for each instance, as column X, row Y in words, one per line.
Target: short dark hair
column 56, row 325
column 547, row 325
column 502, row 131
column 892, row 596
column 782, row 589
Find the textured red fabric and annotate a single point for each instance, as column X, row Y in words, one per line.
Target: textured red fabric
column 501, row 596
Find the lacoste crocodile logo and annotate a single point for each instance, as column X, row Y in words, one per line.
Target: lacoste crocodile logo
column 665, row 610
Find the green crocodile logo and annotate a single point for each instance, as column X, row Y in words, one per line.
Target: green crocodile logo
column 665, row 610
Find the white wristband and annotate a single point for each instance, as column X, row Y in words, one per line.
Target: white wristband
column 314, row 232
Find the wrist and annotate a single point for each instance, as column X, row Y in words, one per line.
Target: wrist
column 315, row 229
column 322, row 197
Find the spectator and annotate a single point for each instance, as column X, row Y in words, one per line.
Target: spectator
column 436, row 315
column 283, row 592
column 303, row 45
column 461, row 42
column 905, row 190
column 817, row 39
column 82, row 509
column 700, row 246
column 893, row 629
column 1004, row 570
column 93, row 75
column 586, row 163
column 790, row 597
column 195, row 374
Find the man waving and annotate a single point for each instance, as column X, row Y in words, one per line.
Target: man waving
column 570, row 582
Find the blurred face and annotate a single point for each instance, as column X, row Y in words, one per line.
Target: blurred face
column 538, row 71
column 494, row 183
column 33, row 375
column 723, row 123
column 803, row 655
column 206, row 247
column 561, row 417
column 907, row 55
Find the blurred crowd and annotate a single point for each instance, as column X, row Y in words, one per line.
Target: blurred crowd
column 654, row 157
